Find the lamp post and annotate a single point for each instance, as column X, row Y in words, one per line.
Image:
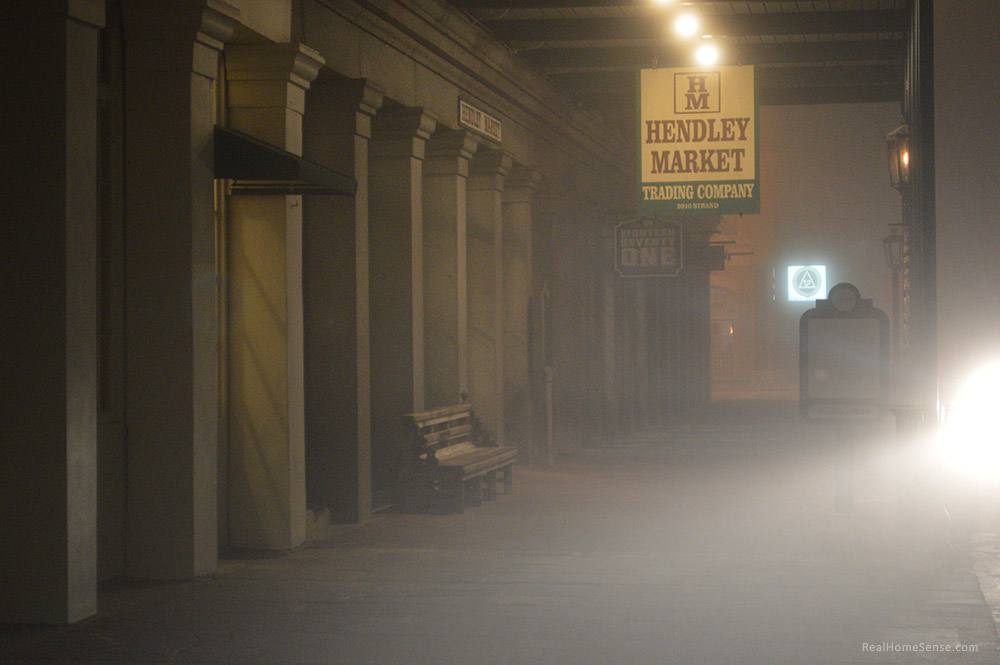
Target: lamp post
column 897, row 148
column 893, row 245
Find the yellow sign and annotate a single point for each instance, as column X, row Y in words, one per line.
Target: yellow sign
column 698, row 141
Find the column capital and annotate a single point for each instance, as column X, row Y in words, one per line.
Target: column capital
column 84, row 11
column 369, row 98
column 218, row 22
column 162, row 41
column 401, row 132
column 489, row 168
column 87, row 11
column 267, row 90
column 449, row 152
column 290, row 61
column 521, row 183
column 343, row 96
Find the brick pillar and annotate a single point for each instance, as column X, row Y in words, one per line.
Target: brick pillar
column 48, row 361
column 397, row 291
column 171, row 306
column 335, row 290
column 485, row 208
column 446, row 341
column 267, row 509
column 518, row 218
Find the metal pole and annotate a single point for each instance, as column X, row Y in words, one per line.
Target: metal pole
column 920, row 355
column 843, row 470
column 549, row 438
column 895, row 315
column 924, row 202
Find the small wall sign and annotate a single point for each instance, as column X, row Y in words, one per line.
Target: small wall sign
column 479, row 121
column 648, row 247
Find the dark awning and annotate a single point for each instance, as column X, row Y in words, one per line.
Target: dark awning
column 255, row 167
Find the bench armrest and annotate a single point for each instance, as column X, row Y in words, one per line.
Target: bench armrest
column 418, row 444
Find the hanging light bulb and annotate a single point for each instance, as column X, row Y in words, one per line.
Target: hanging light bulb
column 686, row 25
column 707, row 54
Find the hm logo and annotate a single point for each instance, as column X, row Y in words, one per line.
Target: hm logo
column 697, row 92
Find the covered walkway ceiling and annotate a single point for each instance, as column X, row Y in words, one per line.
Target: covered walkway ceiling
column 806, row 52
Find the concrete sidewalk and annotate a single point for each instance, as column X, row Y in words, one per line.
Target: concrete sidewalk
column 712, row 541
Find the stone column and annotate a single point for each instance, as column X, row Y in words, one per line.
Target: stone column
column 518, row 218
column 171, row 305
column 611, row 373
column 446, row 340
column 546, row 209
column 574, row 353
column 337, row 131
column 397, row 291
column 485, row 209
column 48, row 361
column 267, row 505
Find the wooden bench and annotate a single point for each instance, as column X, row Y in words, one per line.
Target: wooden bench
column 451, row 462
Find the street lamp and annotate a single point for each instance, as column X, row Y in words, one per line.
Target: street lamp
column 893, row 245
column 897, row 144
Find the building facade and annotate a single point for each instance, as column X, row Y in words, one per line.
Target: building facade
column 242, row 238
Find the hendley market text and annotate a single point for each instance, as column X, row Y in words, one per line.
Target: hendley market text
column 707, row 160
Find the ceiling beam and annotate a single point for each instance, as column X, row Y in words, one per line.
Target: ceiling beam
column 582, row 30
column 782, row 77
column 825, row 77
column 562, row 60
column 544, row 4
column 846, row 51
column 856, row 94
column 860, row 94
column 805, row 56
column 473, row 5
column 622, row 104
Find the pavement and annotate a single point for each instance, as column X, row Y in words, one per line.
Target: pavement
column 713, row 540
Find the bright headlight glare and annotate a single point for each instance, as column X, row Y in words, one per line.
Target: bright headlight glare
column 970, row 435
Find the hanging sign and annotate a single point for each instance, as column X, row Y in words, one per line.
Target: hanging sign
column 697, row 138
column 648, row 247
column 806, row 283
column 479, row 121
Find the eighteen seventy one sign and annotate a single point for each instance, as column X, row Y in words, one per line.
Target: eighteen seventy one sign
column 698, row 141
column 648, row 247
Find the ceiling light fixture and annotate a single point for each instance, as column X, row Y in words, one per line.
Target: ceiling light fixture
column 686, row 25
column 707, row 54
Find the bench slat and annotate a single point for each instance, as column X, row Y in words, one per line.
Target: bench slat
column 460, row 470
column 466, row 467
column 424, row 418
column 479, row 455
column 452, row 433
column 456, row 450
column 439, row 423
column 483, row 466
